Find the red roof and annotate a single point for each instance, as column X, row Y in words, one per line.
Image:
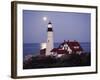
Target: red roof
column 74, row 45
column 59, row 51
column 54, row 50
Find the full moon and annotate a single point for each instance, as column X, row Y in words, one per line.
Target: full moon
column 44, row 18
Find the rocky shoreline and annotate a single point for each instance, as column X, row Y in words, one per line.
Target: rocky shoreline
column 70, row 60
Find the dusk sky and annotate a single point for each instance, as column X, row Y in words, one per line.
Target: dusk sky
column 66, row 26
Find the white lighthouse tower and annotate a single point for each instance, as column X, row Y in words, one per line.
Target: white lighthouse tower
column 50, row 43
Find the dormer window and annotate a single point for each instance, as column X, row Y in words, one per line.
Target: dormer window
column 65, row 46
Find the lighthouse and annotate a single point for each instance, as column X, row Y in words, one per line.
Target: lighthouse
column 50, row 43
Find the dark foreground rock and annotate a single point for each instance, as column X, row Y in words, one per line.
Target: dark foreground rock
column 70, row 60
